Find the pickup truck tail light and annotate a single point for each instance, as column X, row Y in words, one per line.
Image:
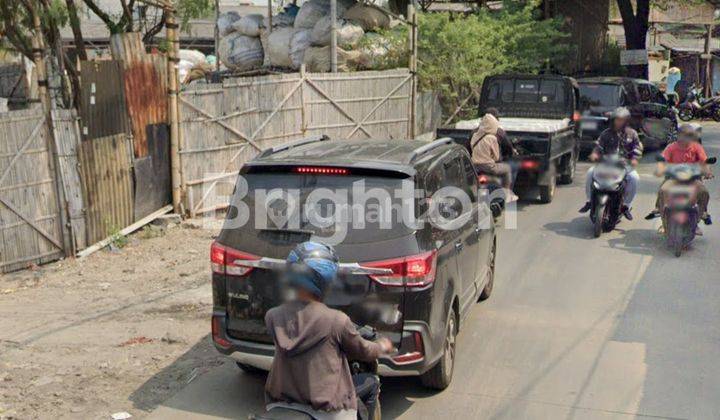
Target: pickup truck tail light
column 412, row 271
column 225, row 260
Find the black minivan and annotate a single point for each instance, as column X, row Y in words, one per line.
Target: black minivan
column 652, row 116
column 434, row 272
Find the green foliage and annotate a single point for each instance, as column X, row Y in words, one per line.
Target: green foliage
column 457, row 53
column 392, row 41
column 193, row 9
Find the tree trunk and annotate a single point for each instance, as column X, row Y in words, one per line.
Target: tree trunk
column 76, row 30
column 636, row 25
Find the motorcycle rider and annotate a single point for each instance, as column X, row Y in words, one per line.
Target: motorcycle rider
column 623, row 139
column 686, row 149
column 486, row 153
column 310, row 371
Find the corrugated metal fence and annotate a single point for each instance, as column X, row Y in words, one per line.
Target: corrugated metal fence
column 224, row 125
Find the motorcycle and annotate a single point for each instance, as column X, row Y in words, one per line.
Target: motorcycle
column 301, row 412
column 490, row 189
column 680, row 217
column 697, row 107
column 608, row 188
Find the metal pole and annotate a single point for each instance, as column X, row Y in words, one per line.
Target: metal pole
column 270, row 16
column 412, row 19
column 217, row 35
column 333, row 36
column 175, row 171
column 708, row 62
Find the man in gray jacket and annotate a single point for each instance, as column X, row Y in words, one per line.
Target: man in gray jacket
column 310, row 371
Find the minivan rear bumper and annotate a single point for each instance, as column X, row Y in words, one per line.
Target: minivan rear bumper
column 260, row 355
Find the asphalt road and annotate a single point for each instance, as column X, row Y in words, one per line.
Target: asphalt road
column 577, row 328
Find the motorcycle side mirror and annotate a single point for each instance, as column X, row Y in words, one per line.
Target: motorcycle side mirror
column 659, row 158
column 711, row 161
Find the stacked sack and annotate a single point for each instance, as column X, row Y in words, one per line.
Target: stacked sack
column 240, row 48
column 302, row 36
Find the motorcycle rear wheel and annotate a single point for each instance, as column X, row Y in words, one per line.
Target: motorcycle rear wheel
column 716, row 114
column 685, row 115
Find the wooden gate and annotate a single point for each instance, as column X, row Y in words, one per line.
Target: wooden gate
column 225, row 125
column 30, row 216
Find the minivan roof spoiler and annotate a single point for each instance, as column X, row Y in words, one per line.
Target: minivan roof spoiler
column 297, row 143
column 429, row 147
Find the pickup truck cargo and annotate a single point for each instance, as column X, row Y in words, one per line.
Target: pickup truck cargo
column 539, row 114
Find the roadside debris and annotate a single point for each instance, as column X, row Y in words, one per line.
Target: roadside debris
column 122, row 415
column 136, row 340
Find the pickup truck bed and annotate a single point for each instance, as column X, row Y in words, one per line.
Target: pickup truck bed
column 546, row 151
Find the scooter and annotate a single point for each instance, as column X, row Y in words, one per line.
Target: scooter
column 301, row 412
column 697, row 107
column 680, row 217
column 608, row 189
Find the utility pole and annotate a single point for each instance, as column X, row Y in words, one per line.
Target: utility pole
column 173, row 111
column 217, row 35
column 412, row 65
column 708, row 61
column 333, row 36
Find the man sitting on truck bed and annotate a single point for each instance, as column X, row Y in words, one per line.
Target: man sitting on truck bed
column 486, row 153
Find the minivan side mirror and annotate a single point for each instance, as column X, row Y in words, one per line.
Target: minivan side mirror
column 711, row 161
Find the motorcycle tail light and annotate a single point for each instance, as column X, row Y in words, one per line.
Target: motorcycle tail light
column 529, row 164
column 483, row 179
column 680, row 217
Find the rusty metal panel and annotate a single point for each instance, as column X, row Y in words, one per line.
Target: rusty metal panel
column 145, row 84
column 102, row 108
column 107, row 185
column 146, row 98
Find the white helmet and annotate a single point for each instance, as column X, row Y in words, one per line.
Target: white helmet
column 621, row 112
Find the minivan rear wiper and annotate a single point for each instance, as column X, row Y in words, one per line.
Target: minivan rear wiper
column 291, row 231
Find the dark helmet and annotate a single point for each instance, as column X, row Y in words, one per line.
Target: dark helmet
column 312, row 266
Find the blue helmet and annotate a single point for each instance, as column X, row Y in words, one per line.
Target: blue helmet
column 312, row 266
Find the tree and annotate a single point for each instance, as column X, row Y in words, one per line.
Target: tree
column 456, row 53
column 186, row 10
column 16, row 26
column 636, row 22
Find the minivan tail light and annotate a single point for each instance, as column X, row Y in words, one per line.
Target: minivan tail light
column 226, row 260
column 412, row 271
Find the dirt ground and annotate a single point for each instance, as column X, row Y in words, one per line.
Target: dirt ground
column 119, row 331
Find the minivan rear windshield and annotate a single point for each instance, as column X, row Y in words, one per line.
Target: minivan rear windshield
column 600, row 95
column 354, row 209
